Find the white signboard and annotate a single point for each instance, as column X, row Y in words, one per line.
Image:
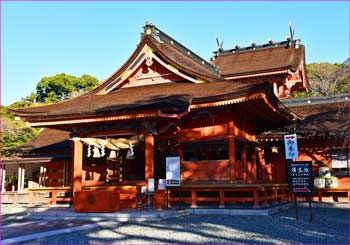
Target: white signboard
column 161, row 184
column 143, row 189
column 173, row 171
column 151, row 185
column 291, row 146
column 339, row 160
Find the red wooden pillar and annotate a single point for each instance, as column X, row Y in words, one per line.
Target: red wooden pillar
column 266, row 201
column 193, row 199
column 231, row 150
column 275, row 196
column 244, row 162
column 254, row 166
column 222, row 199
column 77, row 165
column 149, row 158
column 256, row 198
column 261, row 165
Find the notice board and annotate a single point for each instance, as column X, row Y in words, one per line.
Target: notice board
column 300, row 177
column 173, row 171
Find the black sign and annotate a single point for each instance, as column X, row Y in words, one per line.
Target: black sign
column 300, row 177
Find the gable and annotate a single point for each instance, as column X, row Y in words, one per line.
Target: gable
column 149, row 73
column 147, row 68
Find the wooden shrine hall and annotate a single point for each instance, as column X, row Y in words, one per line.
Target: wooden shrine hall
column 166, row 101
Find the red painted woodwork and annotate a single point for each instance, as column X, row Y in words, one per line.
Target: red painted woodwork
column 203, row 132
column 258, row 195
column 149, row 157
column 217, row 169
column 153, row 74
column 231, row 150
column 96, row 201
column 77, row 165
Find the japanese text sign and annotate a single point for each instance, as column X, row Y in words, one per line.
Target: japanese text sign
column 300, row 177
column 291, row 146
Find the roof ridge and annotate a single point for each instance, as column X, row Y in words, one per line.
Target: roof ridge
column 255, row 48
column 160, row 36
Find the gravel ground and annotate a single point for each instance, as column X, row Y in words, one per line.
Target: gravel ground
column 329, row 226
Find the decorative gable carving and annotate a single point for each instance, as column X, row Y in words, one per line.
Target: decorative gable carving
column 150, row 73
column 148, row 69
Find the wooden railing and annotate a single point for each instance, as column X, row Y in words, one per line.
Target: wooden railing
column 256, row 194
column 50, row 195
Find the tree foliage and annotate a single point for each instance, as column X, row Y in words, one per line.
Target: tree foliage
column 14, row 133
column 48, row 90
column 61, row 86
column 326, row 78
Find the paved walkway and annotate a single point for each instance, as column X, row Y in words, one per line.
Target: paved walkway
column 330, row 225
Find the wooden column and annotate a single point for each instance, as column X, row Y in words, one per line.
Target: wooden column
column 244, row 162
column 42, row 175
column 19, row 179
column 193, row 199
column 149, row 158
column 77, row 165
column 261, row 165
column 3, row 178
column 222, row 199
column 22, row 176
column 254, row 166
column 256, row 198
column 231, row 150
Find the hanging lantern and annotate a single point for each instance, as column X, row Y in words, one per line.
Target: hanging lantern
column 274, row 149
column 113, row 155
column 96, row 153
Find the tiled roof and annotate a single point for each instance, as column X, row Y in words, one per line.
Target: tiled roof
column 263, row 60
column 320, row 118
column 50, row 140
column 173, row 53
column 169, row 97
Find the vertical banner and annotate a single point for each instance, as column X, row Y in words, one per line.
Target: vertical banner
column 173, row 171
column 291, row 146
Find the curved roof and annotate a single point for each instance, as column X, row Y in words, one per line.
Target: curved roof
column 264, row 60
column 172, row 53
column 167, row 98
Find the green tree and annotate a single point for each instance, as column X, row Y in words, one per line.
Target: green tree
column 326, row 78
column 13, row 133
column 61, row 86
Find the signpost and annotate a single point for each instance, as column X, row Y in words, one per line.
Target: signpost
column 173, row 173
column 150, row 185
column 300, row 177
column 300, row 173
column 161, row 184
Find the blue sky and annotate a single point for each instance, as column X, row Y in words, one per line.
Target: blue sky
column 45, row 38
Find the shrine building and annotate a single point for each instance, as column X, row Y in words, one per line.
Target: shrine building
column 220, row 117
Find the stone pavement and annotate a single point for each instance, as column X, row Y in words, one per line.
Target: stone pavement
column 330, row 225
